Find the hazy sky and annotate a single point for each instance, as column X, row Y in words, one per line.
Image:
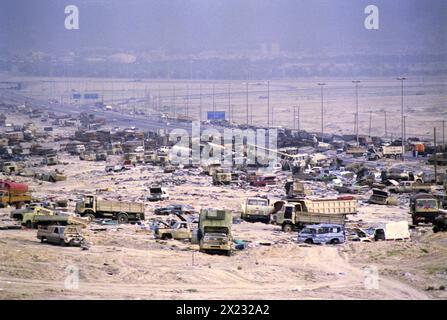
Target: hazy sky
column 200, row 25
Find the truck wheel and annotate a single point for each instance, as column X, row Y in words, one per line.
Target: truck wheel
column 435, row 229
column 287, row 227
column 29, row 224
column 122, row 218
column 90, row 217
column 62, row 243
column 335, row 241
column 309, row 241
column 228, row 253
column 166, row 236
column 42, row 240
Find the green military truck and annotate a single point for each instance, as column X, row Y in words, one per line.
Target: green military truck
column 214, row 234
column 92, row 207
column 295, row 215
column 424, row 208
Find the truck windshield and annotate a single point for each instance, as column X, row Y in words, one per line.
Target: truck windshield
column 155, row 190
column 257, row 202
column 426, row 204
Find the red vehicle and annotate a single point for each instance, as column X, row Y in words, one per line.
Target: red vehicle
column 262, row 181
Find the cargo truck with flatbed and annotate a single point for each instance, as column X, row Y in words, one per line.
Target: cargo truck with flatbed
column 92, row 207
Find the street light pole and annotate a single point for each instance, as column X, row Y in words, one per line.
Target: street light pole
column 402, row 79
column 322, row 111
column 356, row 82
column 268, row 104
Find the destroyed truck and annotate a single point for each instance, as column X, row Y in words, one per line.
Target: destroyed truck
column 222, row 176
column 424, row 208
column 61, row 235
column 92, row 207
column 12, row 193
column 214, row 233
column 39, row 216
column 259, row 209
column 296, row 215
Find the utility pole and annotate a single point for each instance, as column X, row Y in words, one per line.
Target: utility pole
column 246, row 100
column 435, row 156
column 229, row 101
column 268, row 104
column 356, row 82
column 298, row 118
column 322, row 111
column 405, row 128
column 402, row 79
column 187, row 100
column 200, row 103
column 443, row 134
column 214, row 106
column 370, row 122
column 294, row 118
column 386, row 129
column 173, row 99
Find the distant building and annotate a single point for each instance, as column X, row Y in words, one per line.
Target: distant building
column 2, row 120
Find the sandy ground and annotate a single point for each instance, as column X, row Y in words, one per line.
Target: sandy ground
column 127, row 262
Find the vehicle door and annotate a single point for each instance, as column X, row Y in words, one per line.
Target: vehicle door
column 53, row 235
column 182, row 231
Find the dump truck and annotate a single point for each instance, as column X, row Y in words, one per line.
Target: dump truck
column 392, row 151
column 296, row 189
column 257, row 209
column 382, row 197
column 424, row 208
column 385, row 151
column 296, row 215
column 222, row 176
column 12, row 193
column 214, row 233
column 92, row 207
column 42, row 216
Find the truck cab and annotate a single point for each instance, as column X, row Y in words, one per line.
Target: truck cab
column 214, row 234
column 424, row 208
column 256, row 209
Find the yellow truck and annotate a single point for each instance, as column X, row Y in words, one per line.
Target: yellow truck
column 295, row 215
column 92, row 207
column 35, row 216
column 256, row 209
